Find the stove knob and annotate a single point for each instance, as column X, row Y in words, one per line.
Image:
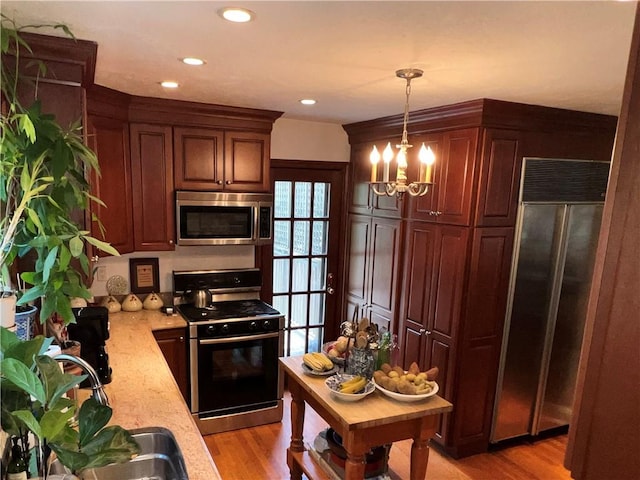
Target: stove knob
column 253, row 326
column 266, row 325
column 211, row 329
column 224, row 329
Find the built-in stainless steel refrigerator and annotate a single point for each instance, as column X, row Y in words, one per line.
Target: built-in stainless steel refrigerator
column 559, row 218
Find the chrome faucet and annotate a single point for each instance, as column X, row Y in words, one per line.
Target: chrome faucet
column 98, row 390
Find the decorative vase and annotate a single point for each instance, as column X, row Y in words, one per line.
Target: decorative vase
column 361, row 362
column 25, row 321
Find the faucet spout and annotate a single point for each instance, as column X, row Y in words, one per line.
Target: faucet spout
column 96, row 386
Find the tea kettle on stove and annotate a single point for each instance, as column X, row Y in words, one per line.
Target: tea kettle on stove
column 200, row 298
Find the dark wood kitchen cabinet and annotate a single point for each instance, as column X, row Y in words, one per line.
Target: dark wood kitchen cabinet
column 372, row 276
column 152, row 180
column 247, row 161
column 108, row 137
column 449, row 200
column 173, row 344
column 215, row 160
column 434, row 279
column 363, row 200
column 457, row 249
column 199, row 158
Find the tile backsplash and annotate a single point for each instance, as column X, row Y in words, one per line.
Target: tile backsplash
column 183, row 258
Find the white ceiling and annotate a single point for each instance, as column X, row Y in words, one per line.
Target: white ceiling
column 344, row 54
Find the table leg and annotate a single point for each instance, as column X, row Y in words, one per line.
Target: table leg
column 420, row 448
column 297, row 427
column 354, row 467
column 297, row 418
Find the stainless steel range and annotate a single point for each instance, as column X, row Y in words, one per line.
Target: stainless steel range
column 235, row 340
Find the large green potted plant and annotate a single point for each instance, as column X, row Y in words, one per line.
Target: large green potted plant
column 32, row 389
column 43, row 182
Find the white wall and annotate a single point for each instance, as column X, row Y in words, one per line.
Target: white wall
column 304, row 140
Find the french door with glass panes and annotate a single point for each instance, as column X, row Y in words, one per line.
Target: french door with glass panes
column 306, row 238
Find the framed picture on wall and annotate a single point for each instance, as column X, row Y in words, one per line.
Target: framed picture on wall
column 144, row 275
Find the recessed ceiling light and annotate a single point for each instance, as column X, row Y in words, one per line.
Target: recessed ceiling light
column 192, row 61
column 308, row 101
column 236, row 14
column 169, row 84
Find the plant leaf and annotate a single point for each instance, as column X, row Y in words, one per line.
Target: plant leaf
column 69, row 458
column 48, row 263
column 91, row 418
column 18, row 374
column 30, row 421
column 65, row 257
column 26, row 351
column 7, row 340
column 111, row 445
column 53, row 422
column 76, row 245
column 104, row 246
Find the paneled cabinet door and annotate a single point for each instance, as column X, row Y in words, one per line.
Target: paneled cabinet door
column 450, row 199
column 363, row 200
column 384, row 257
column 152, row 180
column 357, row 285
column 174, row 348
column 199, row 158
column 246, row 161
column 500, row 169
column 372, row 273
column 109, row 139
column 434, row 270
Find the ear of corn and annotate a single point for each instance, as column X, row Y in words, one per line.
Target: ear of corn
column 317, row 361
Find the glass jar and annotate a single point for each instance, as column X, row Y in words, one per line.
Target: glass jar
column 361, row 362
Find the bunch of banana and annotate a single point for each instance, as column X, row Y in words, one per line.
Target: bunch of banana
column 354, row 385
column 317, row 361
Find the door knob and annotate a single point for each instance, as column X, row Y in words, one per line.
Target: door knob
column 330, row 289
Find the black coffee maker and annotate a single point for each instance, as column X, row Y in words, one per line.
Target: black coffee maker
column 92, row 331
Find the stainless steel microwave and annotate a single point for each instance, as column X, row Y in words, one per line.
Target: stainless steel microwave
column 218, row 218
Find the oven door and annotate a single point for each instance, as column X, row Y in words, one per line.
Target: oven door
column 235, row 374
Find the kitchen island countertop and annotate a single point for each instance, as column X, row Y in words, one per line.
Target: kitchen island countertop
column 143, row 392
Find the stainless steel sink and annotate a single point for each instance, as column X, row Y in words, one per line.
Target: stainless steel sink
column 160, row 458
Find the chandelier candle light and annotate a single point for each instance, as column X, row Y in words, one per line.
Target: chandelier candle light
column 425, row 155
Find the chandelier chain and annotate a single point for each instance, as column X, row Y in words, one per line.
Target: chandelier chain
column 404, row 140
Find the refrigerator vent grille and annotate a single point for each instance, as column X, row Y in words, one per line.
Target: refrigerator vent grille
column 568, row 181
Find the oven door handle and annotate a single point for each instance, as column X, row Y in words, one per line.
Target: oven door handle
column 218, row 341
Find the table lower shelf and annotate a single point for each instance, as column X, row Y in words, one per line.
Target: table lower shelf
column 305, row 462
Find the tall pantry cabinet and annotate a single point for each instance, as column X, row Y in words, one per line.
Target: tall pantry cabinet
column 444, row 273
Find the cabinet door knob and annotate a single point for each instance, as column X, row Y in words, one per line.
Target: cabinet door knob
column 424, row 331
column 219, row 182
column 170, row 242
column 228, row 182
column 181, row 339
column 437, row 214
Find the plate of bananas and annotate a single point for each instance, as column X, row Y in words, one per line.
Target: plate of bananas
column 349, row 388
column 318, row 364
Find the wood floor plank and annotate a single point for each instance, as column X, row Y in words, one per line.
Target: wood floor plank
column 259, row 453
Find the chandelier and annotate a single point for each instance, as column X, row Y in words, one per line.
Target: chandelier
column 399, row 186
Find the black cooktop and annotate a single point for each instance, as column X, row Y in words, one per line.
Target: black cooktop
column 227, row 310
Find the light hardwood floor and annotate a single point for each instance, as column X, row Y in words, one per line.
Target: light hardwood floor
column 259, row 453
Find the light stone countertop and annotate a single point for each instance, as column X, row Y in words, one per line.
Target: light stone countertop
column 143, row 392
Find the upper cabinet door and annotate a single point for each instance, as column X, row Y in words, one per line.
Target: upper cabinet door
column 198, row 160
column 363, row 200
column 246, row 161
column 109, row 139
column 499, row 178
column 454, row 180
column 152, row 178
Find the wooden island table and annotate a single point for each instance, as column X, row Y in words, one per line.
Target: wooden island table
column 373, row 421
